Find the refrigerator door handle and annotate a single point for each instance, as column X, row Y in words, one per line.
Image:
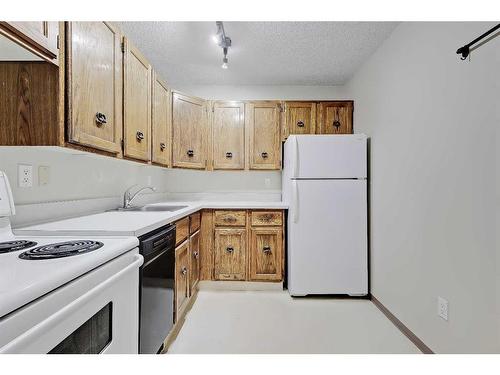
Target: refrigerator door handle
column 296, row 163
column 295, row 211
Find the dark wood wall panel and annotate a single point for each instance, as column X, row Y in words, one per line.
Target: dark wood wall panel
column 28, row 104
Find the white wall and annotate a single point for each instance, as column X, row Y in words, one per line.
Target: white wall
column 256, row 92
column 432, row 122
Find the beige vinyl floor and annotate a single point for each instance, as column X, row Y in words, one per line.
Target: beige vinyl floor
column 273, row 322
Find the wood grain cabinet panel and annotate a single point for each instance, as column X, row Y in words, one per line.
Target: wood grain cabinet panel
column 189, row 122
column 230, row 218
column 181, row 278
column 230, row 254
column 265, row 254
column 300, row 118
column 228, row 135
column 181, row 230
column 194, row 222
column 266, row 218
column 194, row 265
column 263, row 127
column 94, row 85
column 136, row 104
column 335, row 117
column 41, row 37
column 161, row 135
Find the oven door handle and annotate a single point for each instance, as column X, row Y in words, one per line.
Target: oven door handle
column 21, row 342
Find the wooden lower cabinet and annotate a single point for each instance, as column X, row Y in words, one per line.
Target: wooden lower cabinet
column 181, row 279
column 230, row 254
column 266, row 253
column 194, row 261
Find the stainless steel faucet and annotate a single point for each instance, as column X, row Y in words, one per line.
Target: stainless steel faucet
column 128, row 197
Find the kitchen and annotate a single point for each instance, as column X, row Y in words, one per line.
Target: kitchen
column 163, row 187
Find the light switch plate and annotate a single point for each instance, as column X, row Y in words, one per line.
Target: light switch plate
column 43, row 175
column 25, row 175
column 443, row 308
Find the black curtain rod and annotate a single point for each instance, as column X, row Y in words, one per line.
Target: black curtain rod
column 465, row 50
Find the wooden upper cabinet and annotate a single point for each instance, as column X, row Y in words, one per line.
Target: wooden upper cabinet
column 263, row 126
column 189, row 126
column 228, row 134
column 40, row 37
column 335, row 117
column 300, row 118
column 136, row 103
column 230, row 254
column 161, row 123
column 266, row 253
column 94, row 85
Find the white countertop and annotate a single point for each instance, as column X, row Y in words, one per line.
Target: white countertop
column 133, row 223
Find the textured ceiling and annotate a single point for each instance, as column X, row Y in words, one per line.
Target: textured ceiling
column 263, row 53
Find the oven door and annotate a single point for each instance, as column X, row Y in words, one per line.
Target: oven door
column 95, row 313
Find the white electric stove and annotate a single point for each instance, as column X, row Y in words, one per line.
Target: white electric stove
column 66, row 294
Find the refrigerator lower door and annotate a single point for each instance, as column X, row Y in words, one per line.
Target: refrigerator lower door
column 327, row 237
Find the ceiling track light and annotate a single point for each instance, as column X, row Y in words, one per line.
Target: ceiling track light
column 222, row 41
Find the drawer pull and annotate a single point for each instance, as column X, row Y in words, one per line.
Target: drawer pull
column 190, row 153
column 100, row 119
column 139, row 136
column 266, row 249
column 230, row 250
column 229, row 219
column 196, row 255
column 184, row 271
column 337, row 124
column 162, row 146
column 229, row 155
column 300, row 124
column 265, row 155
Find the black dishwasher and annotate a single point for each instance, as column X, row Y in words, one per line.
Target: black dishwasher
column 156, row 289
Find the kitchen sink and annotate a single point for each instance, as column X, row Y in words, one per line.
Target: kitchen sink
column 155, row 208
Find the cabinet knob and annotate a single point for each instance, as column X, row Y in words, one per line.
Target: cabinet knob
column 184, row 271
column 300, row 124
column 196, row 255
column 336, row 124
column 162, row 146
column 139, row 136
column 190, row 153
column 100, row 119
column 229, row 155
column 265, row 155
column 266, row 249
column 230, row 250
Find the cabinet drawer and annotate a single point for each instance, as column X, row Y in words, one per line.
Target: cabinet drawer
column 181, row 230
column 194, row 222
column 267, row 218
column 230, row 218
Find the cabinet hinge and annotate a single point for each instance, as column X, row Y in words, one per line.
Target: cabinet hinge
column 122, row 46
column 122, row 144
column 58, row 43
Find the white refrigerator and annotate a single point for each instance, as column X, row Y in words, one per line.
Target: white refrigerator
column 325, row 186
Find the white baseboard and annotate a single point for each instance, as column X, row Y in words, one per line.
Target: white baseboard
column 240, row 285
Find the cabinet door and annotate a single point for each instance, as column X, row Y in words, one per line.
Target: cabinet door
column 41, row 36
column 181, row 278
column 94, row 83
column 230, row 254
column 228, row 131
column 194, row 266
column 189, row 122
column 161, row 123
column 300, row 118
column 335, row 117
column 263, row 125
column 136, row 104
column 266, row 254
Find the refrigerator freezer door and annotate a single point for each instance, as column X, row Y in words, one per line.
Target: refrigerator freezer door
column 327, row 234
column 325, row 156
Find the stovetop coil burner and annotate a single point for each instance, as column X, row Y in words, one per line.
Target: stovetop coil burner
column 61, row 250
column 7, row 247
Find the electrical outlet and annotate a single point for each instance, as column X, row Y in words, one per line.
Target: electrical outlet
column 43, row 175
column 25, row 175
column 267, row 182
column 443, row 308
